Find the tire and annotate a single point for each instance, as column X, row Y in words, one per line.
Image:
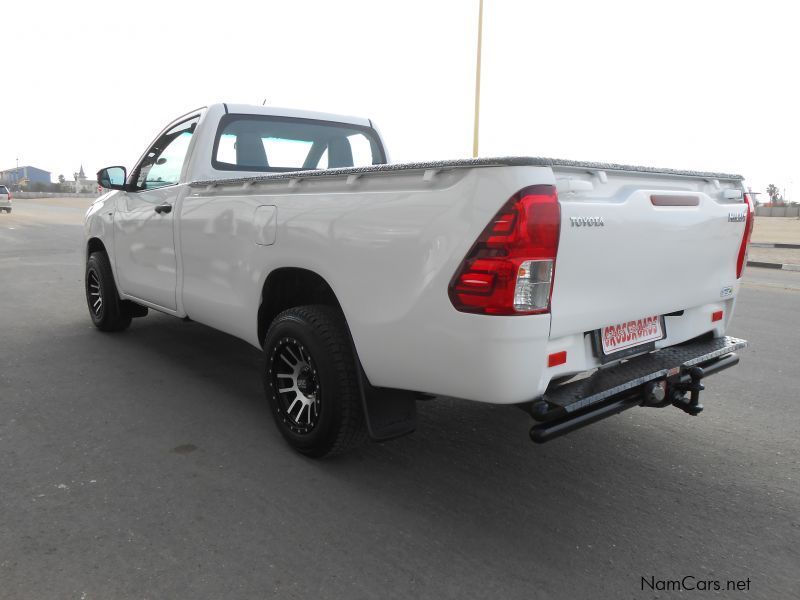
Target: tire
column 105, row 307
column 309, row 355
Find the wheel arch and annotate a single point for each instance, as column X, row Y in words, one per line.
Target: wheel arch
column 388, row 413
column 288, row 287
column 95, row 244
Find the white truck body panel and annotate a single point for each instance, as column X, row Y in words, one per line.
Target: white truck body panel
column 645, row 259
column 388, row 240
column 144, row 246
column 388, row 245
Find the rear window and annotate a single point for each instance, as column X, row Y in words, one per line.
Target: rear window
column 278, row 144
column 3, row 189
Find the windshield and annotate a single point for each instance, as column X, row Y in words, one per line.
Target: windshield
column 277, row 144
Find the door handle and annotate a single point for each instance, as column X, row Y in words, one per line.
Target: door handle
column 163, row 208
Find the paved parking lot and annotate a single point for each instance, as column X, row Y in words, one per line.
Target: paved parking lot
column 146, row 465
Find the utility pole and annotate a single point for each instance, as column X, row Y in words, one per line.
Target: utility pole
column 478, row 83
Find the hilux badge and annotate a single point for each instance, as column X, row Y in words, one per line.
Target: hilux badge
column 586, row 222
column 736, row 217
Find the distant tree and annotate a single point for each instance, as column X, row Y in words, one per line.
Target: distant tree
column 61, row 179
column 774, row 194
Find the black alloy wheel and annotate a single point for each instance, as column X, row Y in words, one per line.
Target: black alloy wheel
column 311, row 381
column 107, row 311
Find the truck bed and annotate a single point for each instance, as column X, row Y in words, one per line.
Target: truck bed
column 505, row 161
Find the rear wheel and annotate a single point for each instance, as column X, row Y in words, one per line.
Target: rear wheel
column 311, row 382
column 105, row 307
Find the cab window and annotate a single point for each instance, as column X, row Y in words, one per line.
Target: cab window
column 163, row 162
column 277, row 144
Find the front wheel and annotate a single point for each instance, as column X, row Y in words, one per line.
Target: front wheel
column 105, row 307
column 311, row 381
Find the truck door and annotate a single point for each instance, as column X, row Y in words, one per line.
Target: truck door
column 144, row 239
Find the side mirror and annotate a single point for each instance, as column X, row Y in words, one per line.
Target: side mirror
column 112, row 178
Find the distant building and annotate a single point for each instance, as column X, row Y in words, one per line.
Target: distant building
column 24, row 176
column 81, row 184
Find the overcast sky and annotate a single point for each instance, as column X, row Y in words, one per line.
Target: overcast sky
column 701, row 84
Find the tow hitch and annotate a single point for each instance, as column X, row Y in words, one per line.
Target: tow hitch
column 693, row 387
column 671, row 376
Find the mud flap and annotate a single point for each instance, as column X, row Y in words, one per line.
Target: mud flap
column 134, row 310
column 389, row 413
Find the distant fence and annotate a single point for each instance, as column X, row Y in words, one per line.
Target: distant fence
column 778, row 211
column 52, row 195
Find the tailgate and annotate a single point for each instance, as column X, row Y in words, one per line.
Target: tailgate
column 634, row 245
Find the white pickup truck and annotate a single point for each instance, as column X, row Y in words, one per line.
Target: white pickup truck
column 573, row 290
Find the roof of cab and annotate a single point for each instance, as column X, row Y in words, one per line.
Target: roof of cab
column 276, row 111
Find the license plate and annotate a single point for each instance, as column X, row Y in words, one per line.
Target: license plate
column 616, row 338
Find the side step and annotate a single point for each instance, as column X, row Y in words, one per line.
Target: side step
column 657, row 379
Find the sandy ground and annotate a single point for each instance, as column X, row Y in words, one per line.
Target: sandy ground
column 56, row 202
column 777, row 230
column 51, row 211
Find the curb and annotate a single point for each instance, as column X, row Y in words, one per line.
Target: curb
column 759, row 245
column 769, row 265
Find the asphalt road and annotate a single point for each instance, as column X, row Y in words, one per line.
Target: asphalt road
column 146, row 465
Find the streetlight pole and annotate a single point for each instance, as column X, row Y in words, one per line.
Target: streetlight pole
column 478, row 83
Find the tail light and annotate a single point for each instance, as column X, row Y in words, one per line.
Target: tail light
column 509, row 270
column 748, row 230
column 9, row 195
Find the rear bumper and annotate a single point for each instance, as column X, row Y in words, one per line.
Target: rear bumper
column 609, row 391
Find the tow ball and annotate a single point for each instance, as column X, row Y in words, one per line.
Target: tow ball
column 674, row 391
